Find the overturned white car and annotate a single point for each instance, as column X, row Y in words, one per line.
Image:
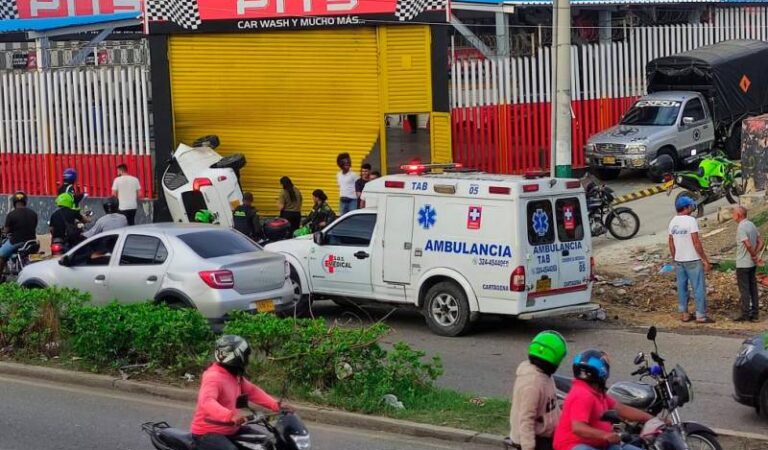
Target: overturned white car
column 199, row 178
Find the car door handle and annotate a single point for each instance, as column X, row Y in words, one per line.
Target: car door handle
column 361, row 255
column 100, row 279
column 151, row 279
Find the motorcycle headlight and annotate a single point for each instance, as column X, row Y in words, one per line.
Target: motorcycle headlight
column 302, row 441
column 635, row 149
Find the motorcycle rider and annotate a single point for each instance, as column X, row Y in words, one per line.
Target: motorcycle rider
column 65, row 220
column 111, row 220
column 68, row 180
column 246, row 218
column 534, row 414
column 321, row 214
column 20, row 227
column 581, row 427
column 216, row 418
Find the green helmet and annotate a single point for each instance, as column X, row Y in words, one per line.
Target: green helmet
column 65, row 200
column 548, row 346
column 204, row 216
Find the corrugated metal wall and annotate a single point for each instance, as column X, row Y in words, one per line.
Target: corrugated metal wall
column 290, row 101
column 441, row 137
column 406, row 69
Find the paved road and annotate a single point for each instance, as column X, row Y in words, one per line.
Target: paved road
column 484, row 362
column 45, row 416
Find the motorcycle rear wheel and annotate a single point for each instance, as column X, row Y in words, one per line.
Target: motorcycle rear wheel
column 701, row 440
column 623, row 225
column 697, row 198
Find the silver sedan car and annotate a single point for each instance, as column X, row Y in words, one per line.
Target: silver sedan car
column 213, row 269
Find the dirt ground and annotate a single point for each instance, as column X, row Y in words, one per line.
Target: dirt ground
column 637, row 286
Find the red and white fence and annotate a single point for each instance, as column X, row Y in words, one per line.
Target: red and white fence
column 501, row 114
column 89, row 118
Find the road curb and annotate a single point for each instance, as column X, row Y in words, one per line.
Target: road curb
column 308, row 412
column 311, row 413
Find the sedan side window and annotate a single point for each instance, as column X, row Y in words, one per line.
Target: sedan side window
column 140, row 250
column 354, row 231
column 97, row 252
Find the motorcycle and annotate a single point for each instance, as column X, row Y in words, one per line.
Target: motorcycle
column 671, row 391
column 281, row 431
column 621, row 221
column 20, row 259
column 715, row 178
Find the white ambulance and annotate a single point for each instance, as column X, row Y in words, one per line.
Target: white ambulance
column 456, row 245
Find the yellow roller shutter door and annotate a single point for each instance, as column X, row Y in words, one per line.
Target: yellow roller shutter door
column 290, row 101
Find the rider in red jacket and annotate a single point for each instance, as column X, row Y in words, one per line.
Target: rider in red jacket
column 216, row 417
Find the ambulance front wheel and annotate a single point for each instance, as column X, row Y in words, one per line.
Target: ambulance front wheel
column 447, row 310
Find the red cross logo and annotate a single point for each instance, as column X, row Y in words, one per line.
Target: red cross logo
column 474, row 216
column 328, row 264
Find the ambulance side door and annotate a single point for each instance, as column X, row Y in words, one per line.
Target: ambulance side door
column 542, row 258
column 570, row 221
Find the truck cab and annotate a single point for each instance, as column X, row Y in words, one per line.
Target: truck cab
column 456, row 246
column 676, row 123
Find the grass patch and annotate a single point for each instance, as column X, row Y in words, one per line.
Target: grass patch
column 760, row 219
column 730, row 265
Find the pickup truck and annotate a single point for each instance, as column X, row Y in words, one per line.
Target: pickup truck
column 696, row 102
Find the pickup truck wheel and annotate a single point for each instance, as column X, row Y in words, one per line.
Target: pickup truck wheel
column 606, row 174
column 733, row 144
column 447, row 310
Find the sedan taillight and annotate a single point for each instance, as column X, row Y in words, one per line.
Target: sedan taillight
column 218, row 279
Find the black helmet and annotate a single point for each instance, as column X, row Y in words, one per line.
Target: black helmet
column 592, row 366
column 232, row 352
column 20, row 197
column 111, row 205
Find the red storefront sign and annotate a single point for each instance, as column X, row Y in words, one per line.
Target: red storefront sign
column 31, row 9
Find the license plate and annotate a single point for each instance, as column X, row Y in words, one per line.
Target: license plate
column 35, row 258
column 609, row 160
column 264, row 306
column 543, row 284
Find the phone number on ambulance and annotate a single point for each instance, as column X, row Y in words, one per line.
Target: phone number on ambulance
column 492, row 262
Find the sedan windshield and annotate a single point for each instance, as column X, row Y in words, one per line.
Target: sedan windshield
column 652, row 113
column 216, row 243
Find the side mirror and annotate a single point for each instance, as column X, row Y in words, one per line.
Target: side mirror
column 687, row 121
column 64, row 261
column 610, row 416
column 319, row 238
column 651, row 334
column 640, row 358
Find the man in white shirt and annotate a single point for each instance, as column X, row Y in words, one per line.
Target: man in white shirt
column 690, row 260
column 126, row 188
column 346, row 180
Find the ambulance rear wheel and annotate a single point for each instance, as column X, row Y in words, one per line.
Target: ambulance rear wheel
column 447, row 310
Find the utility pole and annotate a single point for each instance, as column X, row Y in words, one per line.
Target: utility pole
column 561, row 126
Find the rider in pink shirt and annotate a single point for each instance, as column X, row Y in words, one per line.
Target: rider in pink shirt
column 216, row 417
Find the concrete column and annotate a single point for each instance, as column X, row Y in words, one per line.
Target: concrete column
column 604, row 22
column 502, row 35
column 562, row 125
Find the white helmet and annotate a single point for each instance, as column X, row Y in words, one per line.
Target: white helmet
column 232, row 352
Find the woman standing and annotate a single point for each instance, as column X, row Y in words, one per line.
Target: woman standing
column 289, row 203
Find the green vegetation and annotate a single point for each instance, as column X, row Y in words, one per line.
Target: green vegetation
column 730, row 265
column 309, row 360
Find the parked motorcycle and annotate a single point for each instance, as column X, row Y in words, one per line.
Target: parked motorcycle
column 621, row 221
column 281, row 431
column 23, row 257
column 715, row 178
column 671, row 391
